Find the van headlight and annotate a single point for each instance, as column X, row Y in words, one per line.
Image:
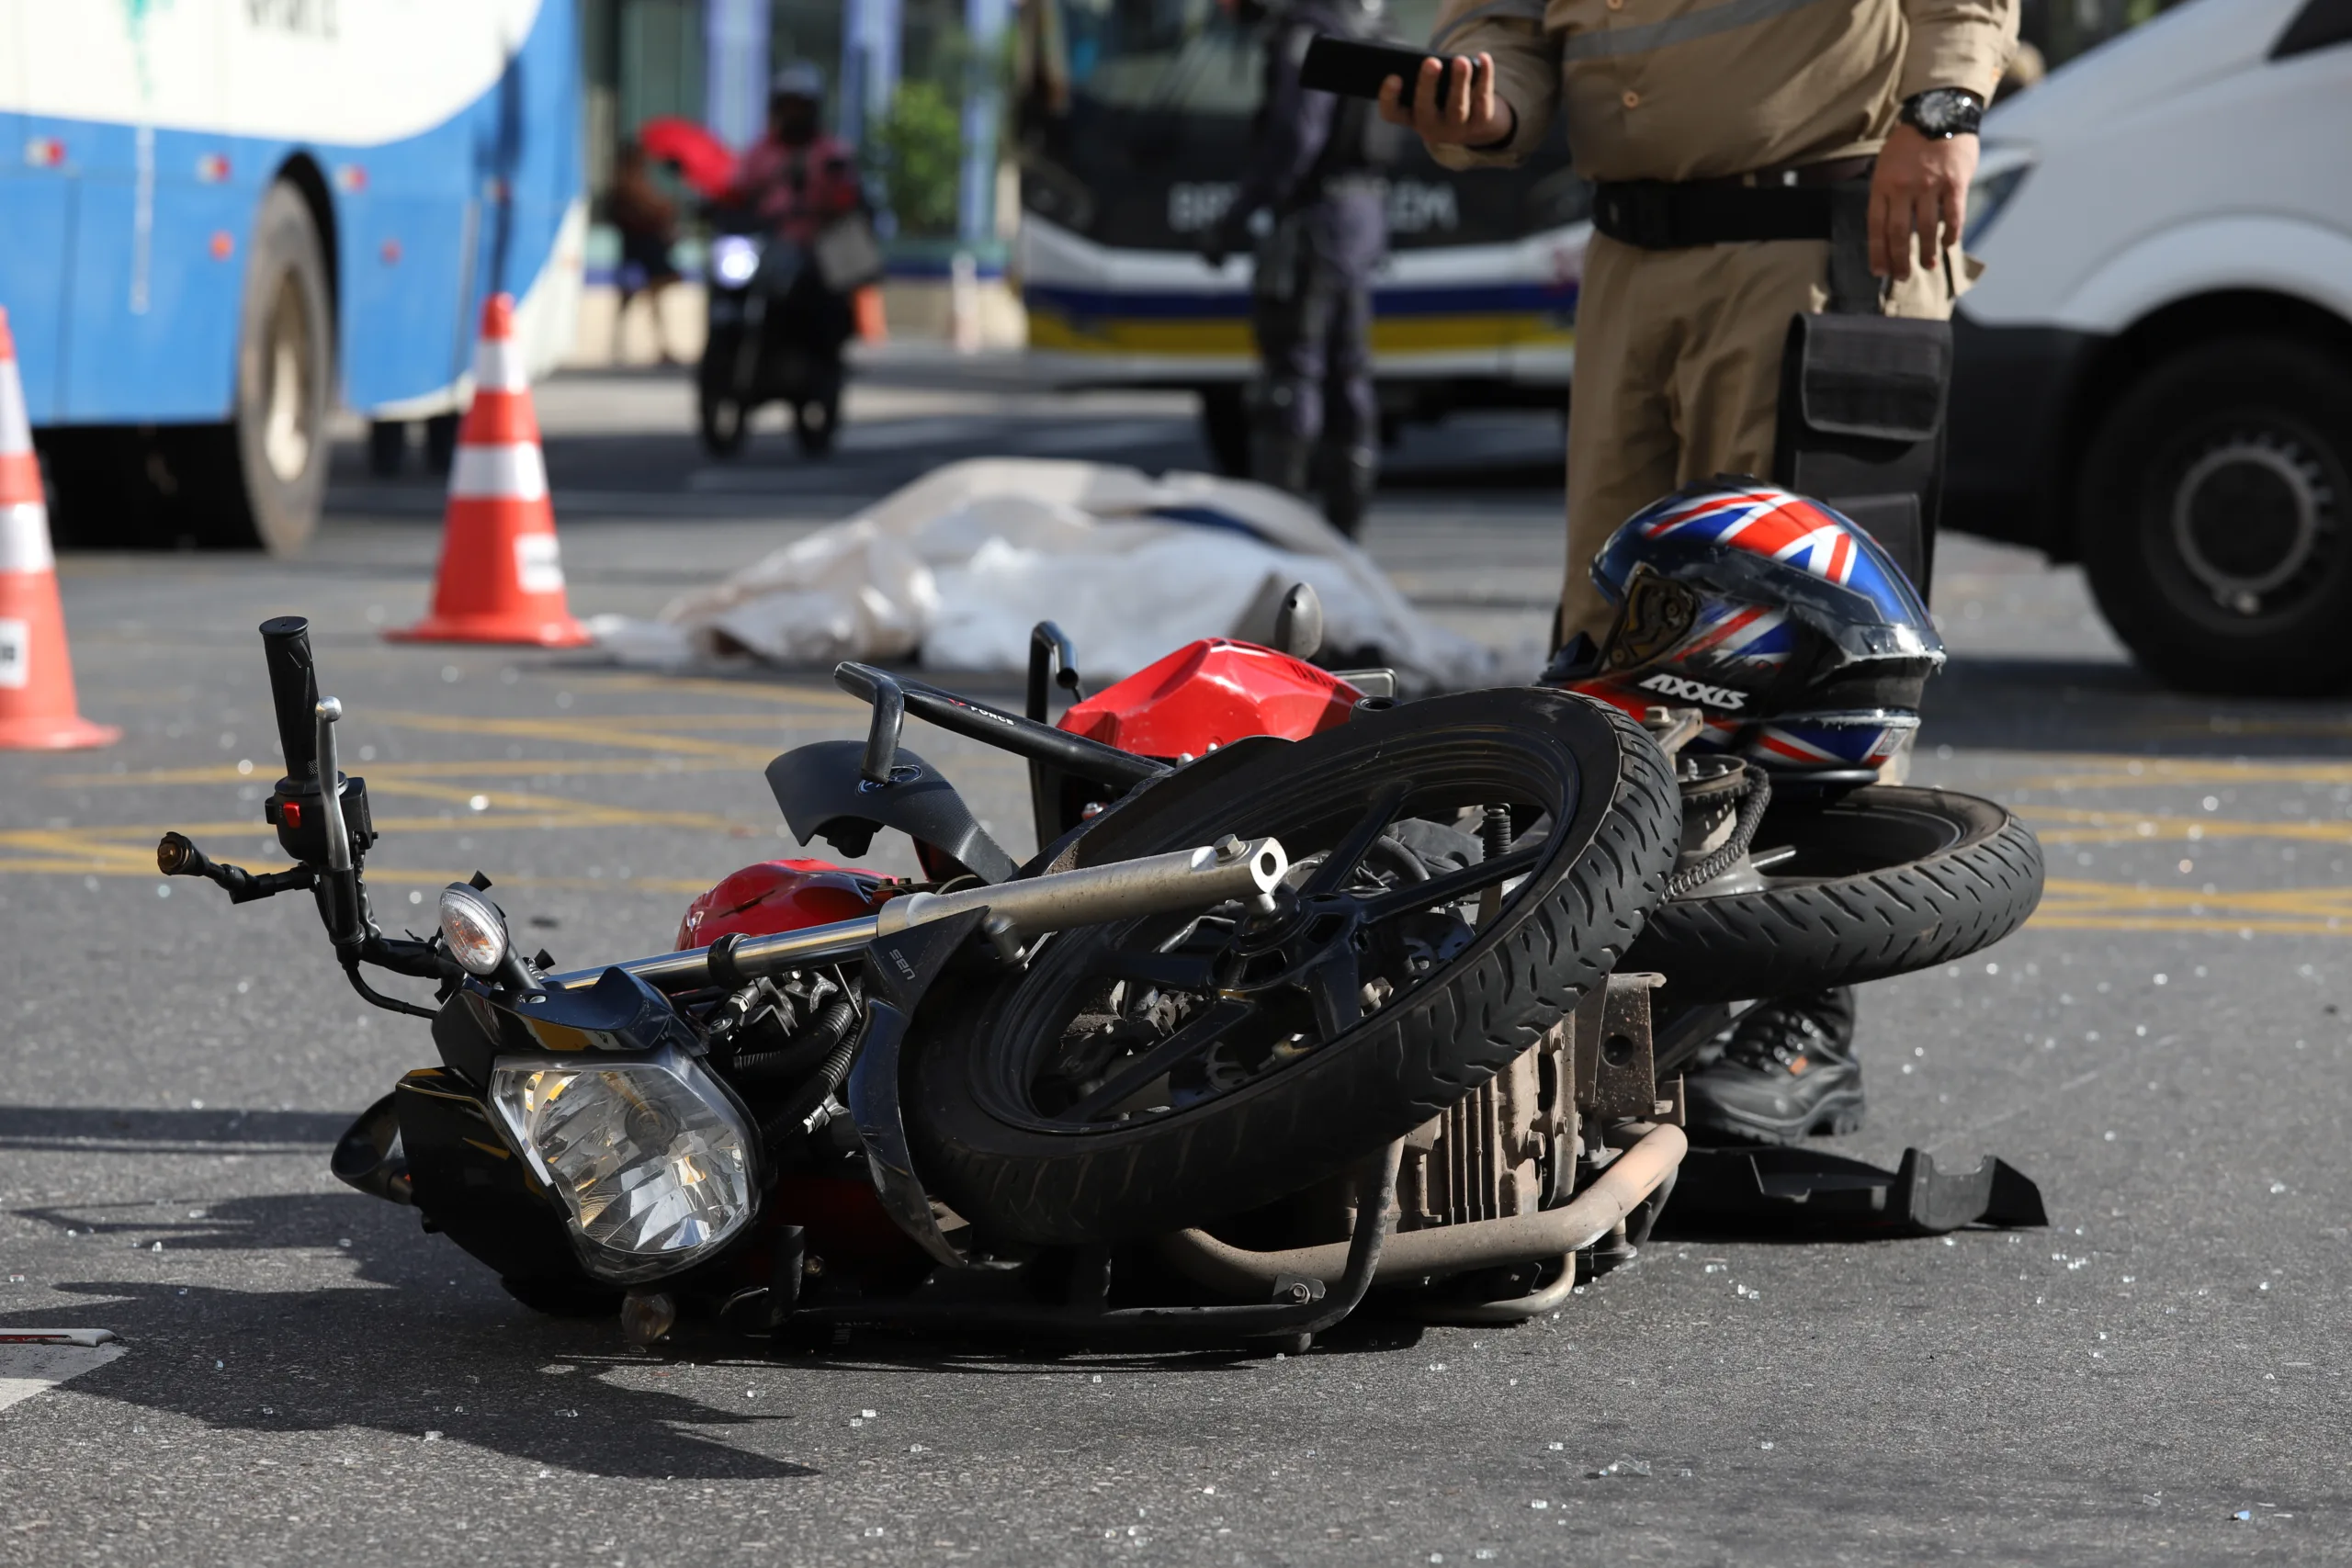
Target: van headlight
column 733, row 260
column 1989, row 193
column 651, row 1160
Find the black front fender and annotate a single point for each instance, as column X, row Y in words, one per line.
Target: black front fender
column 822, row 795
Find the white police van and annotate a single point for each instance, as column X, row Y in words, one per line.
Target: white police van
column 2155, row 374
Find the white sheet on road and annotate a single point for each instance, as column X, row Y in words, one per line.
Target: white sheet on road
column 28, row 1369
column 956, row 568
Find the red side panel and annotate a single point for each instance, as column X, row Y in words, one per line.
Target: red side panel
column 1213, row 694
column 781, row 896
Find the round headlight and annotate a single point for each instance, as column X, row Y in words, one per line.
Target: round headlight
column 474, row 930
column 733, row 260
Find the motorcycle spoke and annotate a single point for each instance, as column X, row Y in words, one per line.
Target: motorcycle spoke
column 1442, row 891
column 1334, row 988
column 1157, row 1063
column 1168, row 971
column 1348, row 854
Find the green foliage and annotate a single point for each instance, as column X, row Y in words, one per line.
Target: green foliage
column 916, row 149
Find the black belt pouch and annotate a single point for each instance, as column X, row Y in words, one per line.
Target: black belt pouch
column 1862, row 425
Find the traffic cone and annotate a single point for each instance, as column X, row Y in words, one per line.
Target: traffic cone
column 37, row 711
column 501, row 576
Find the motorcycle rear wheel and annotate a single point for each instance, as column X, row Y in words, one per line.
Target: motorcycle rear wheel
column 814, row 423
column 1885, row 880
column 1297, row 1060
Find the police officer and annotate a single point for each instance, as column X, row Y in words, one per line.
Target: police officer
column 1317, row 163
column 1725, row 138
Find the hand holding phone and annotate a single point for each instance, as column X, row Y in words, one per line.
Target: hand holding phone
column 1453, row 103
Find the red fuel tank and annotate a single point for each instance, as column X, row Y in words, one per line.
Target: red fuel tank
column 1212, row 694
column 782, row 895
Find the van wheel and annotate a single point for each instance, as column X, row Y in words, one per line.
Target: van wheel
column 2216, row 510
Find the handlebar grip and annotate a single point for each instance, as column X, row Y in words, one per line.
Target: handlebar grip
column 294, row 690
column 176, row 855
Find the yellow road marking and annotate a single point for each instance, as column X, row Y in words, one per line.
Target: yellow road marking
column 2092, row 827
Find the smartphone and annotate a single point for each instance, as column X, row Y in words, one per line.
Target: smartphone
column 1355, row 69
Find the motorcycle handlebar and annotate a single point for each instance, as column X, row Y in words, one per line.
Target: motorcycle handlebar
column 293, row 691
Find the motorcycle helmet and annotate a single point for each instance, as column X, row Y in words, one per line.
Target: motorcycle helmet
column 1799, row 638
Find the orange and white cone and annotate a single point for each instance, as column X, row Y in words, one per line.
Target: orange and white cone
column 501, row 575
column 37, row 710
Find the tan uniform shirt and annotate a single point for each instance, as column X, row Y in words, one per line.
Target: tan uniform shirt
column 1698, row 89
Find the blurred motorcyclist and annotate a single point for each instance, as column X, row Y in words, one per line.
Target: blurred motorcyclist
column 797, row 179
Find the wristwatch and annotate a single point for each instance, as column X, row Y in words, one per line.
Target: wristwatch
column 1942, row 113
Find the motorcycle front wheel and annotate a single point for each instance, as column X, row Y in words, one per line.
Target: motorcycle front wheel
column 725, row 423
column 1142, row 1075
column 1882, row 881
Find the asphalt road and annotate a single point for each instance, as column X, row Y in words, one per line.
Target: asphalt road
column 2157, row 1377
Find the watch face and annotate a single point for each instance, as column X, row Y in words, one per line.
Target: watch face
column 1945, row 111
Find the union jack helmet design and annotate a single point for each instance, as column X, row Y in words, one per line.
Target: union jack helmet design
column 1798, row 637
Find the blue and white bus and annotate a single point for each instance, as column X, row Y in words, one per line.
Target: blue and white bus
column 220, row 217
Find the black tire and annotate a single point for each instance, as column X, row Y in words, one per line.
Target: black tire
column 1225, row 429
column 2216, row 509
column 724, row 422
column 1558, row 935
column 815, row 423
column 1885, row 881
column 285, row 379
column 387, row 447
column 441, row 441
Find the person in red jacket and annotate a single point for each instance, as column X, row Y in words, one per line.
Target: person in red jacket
column 798, row 179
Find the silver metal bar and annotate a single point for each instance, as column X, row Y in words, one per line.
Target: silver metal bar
column 330, row 714
column 1447, row 1249
column 1156, row 885
column 1184, row 881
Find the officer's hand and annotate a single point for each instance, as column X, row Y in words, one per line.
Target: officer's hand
column 1453, row 103
column 1918, row 192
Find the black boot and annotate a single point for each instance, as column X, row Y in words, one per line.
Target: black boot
column 1787, row 1072
column 1349, row 480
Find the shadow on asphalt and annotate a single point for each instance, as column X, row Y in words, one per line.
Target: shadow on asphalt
column 398, row 1352
column 1981, row 702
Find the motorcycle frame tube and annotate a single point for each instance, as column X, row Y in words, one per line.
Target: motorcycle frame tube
column 1358, row 1268
column 1156, row 885
column 1448, row 1249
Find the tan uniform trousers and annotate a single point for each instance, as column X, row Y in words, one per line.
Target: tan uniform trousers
column 1678, row 379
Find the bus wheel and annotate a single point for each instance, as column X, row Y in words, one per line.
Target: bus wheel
column 268, row 491
column 1225, row 429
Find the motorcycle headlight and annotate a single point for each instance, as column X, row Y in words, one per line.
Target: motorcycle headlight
column 474, row 930
column 733, row 260
column 650, row 1158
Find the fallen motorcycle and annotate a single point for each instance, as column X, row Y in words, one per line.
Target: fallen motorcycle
column 1306, row 994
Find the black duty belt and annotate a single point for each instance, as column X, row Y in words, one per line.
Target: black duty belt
column 1773, row 204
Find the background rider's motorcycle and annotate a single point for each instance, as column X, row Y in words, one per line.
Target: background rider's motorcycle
column 780, row 316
